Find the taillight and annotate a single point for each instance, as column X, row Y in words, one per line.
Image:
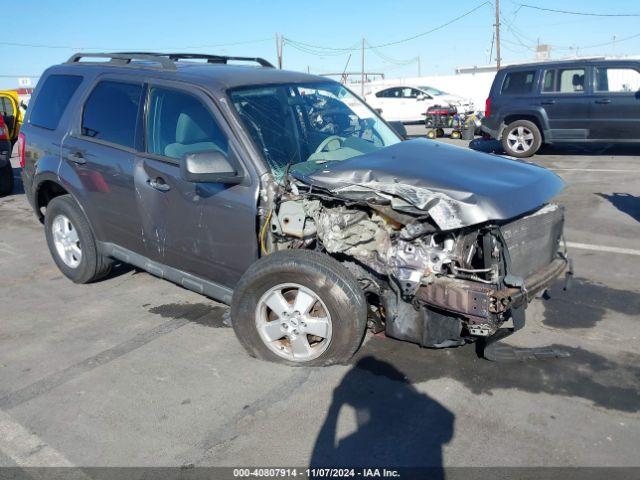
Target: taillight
column 4, row 131
column 487, row 107
column 22, row 144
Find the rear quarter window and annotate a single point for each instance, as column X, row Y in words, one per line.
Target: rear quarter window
column 518, row 83
column 53, row 99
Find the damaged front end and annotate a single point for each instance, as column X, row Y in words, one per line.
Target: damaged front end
column 447, row 244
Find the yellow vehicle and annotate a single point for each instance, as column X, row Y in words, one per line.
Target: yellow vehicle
column 11, row 112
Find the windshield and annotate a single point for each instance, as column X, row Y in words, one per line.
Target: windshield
column 433, row 91
column 305, row 126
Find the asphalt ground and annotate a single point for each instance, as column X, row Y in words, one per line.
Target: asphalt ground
column 135, row 371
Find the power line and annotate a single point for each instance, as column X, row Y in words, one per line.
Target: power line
column 584, row 14
column 434, row 29
column 387, row 44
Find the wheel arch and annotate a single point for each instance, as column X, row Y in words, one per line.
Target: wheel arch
column 49, row 187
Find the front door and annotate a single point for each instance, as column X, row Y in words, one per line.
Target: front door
column 10, row 112
column 101, row 153
column 206, row 229
column 615, row 106
column 565, row 97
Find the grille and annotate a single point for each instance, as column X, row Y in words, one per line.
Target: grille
column 533, row 240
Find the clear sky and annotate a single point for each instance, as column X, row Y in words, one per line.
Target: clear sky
column 202, row 26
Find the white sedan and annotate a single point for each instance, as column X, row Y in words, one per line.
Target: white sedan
column 409, row 104
column 401, row 104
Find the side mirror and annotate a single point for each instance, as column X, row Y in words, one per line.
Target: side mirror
column 421, row 97
column 399, row 128
column 210, row 166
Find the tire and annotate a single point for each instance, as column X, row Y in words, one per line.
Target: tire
column 87, row 266
column 6, row 180
column 455, row 134
column 340, row 299
column 431, row 134
column 521, row 139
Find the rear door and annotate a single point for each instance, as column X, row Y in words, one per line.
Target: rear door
column 615, row 106
column 391, row 102
column 206, row 229
column 101, row 151
column 565, row 97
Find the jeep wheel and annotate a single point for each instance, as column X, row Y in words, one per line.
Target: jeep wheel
column 521, row 139
column 71, row 242
column 6, row 180
column 299, row 307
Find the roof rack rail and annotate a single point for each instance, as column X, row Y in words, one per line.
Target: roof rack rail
column 165, row 60
column 216, row 58
column 125, row 59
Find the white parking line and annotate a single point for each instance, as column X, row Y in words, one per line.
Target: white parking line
column 603, row 248
column 611, row 170
column 26, row 448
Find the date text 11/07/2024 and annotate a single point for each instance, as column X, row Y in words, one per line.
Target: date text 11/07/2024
column 315, row 473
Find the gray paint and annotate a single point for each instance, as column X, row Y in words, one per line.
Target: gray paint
column 458, row 187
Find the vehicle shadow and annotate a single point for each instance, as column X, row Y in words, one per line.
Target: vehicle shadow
column 396, row 425
column 625, row 202
column 584, row 149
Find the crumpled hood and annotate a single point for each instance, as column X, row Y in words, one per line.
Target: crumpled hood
column 457, row 186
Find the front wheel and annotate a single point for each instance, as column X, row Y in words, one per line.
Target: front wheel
column 299, row 307
column 521, row 139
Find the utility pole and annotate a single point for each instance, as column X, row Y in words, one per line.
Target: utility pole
column 362, row 72
column 279, row 45
column 419, row 69
column 498, row 34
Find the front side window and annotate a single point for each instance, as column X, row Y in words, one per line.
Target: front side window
column 179, row 124
column 306, row 126
column 6, row 107
column 518, row 83
column 410, row 93
column 111, row 111
column 617, row 80
column 53, row 99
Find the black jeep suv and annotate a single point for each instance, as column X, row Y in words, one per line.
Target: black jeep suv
column 569, row 101
column 286, row 196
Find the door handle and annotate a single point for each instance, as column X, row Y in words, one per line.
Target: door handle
column 77, row 157
column 159, row 184
column 548, row 102
column 603, row 101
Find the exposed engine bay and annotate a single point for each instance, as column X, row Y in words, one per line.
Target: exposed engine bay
column 431, row 286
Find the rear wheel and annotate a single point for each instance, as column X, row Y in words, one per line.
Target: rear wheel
column 71, row 242
column 299, row 307
column 6, row 179
column 521, row 139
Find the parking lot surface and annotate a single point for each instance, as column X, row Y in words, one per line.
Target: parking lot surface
column 134, row 370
